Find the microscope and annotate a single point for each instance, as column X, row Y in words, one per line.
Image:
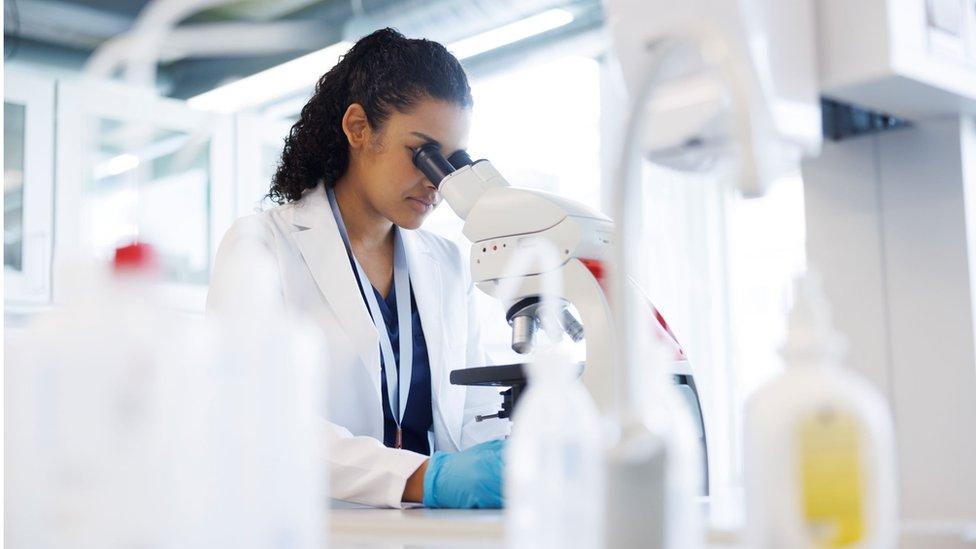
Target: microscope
column 501, row 221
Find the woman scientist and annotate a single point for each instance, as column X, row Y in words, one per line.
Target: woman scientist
column 394, row 303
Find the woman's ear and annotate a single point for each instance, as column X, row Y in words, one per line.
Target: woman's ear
column 356, row 126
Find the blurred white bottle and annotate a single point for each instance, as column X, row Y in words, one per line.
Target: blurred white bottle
column 121, row 431
column 819, row 447
column 272, row 487
column 654, row 460
column 87, row 432
column 554, row 465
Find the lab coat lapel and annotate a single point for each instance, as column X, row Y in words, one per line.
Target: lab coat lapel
column 425, row 278
column 325, row 255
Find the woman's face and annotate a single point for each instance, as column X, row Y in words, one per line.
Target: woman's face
column 383, row 161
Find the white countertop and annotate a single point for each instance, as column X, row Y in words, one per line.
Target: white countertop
column 354, row 526
column 422, row 528
column 416, row 528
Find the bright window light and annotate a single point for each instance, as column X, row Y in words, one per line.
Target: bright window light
column 116, row 165
column 301, row 73
column 290, row 77
column 511, row 33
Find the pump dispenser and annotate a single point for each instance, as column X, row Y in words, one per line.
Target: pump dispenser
column 819, row 448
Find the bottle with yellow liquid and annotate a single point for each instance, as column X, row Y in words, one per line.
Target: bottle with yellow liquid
column 819, row 446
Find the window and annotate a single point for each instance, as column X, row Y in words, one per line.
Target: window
column 13, row 186
column 28, row 146
column 132, row 165
column 152, row 184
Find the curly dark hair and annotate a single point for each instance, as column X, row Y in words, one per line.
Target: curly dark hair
column 381, row 72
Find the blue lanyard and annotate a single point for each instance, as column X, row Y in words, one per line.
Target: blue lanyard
column 397, row 392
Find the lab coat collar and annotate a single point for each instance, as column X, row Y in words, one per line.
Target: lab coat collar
column 313, row 211
column 425, row 279
column 427, row 283
column 322, row 248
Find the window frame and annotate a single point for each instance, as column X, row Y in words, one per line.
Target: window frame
column 32, row 285
column 82, row 100
column 252, row 132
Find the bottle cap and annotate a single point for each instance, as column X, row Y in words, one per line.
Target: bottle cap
column 135, row 257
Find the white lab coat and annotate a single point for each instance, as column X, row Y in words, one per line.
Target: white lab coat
column 315, row 279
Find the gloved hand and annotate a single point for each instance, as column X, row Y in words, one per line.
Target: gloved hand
column 470, row 479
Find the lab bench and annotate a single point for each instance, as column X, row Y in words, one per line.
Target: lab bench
column 421, row 528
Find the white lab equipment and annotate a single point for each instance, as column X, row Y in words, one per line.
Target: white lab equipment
column 652, row 474
column 901, row 202
column 554, row 457
column 901, row 57
column 130, row 425
column 705, row 80
column 502, row 221
column 738, row 84
column 902, row 300
column 819, row 445
column 664, row 415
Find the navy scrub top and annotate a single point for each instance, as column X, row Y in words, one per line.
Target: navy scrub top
column 418, row 418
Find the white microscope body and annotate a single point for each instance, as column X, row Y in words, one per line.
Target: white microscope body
column 501, row 221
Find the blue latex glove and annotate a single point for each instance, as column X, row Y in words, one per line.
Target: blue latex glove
column 470, row 479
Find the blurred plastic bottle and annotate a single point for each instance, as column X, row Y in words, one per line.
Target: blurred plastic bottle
column 819, row 446
column 554, row 467
column 654, row 458
column 125, row 426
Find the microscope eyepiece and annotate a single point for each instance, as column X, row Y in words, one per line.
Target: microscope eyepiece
column 460, row 159
column 431, row 162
